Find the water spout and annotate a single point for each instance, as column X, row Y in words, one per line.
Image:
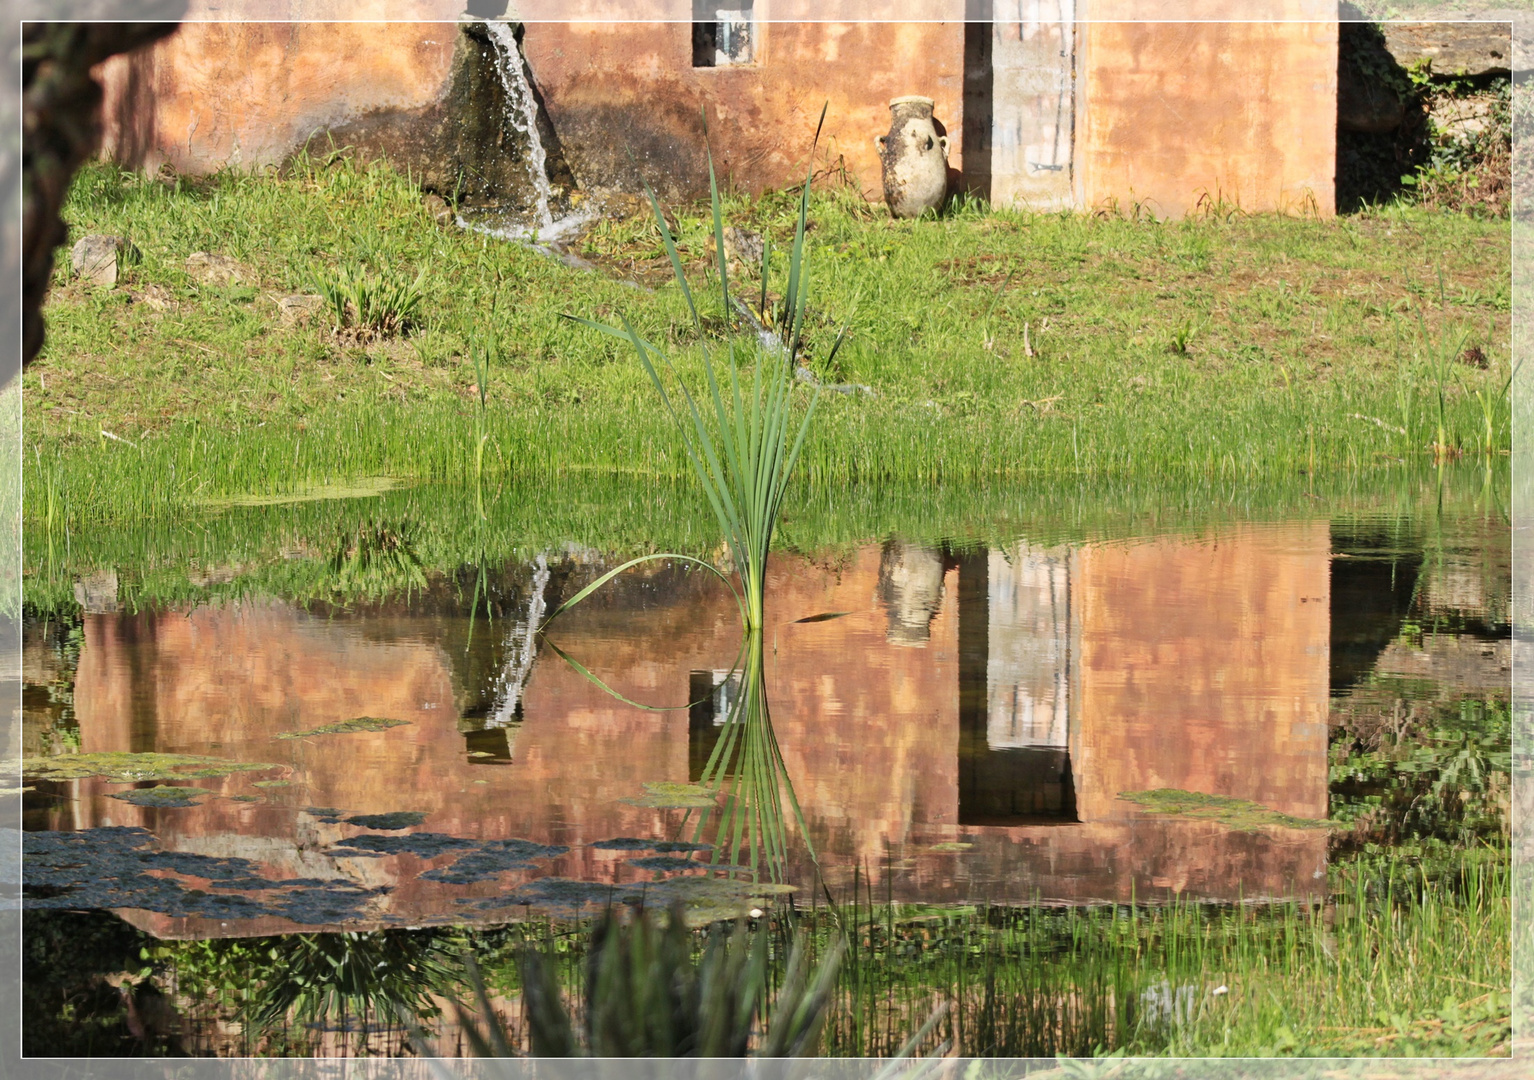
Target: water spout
column 521, row 116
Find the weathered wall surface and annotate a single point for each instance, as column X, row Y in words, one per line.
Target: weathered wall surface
column 1159, row 113
column 611, row 92
column 1033, row 105
column 249, row 94
column 1171, row 113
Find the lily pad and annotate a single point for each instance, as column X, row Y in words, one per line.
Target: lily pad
column 125, row 768
column 115, row 868
column 1238, row 814
column 272, row 783
column 162, row 795
column 399, row 819
column 673, row 795
column 244, row 798
column 343, row 727
column 950, row 846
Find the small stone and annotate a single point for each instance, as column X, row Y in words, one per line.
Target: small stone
column 742, row 245
column 95, row 258
column 438, row 208
column 299, row 308
column 211, row 269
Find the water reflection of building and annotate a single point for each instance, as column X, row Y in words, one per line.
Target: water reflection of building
column 963, row 733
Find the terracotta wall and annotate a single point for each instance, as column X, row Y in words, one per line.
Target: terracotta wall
column 1172, row 113
column 249, row 94
column 635, row 88
column 1166, row 113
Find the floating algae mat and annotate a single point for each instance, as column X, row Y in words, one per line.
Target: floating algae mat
column 365, row 488
column 162, row 796
column 342, row 727
column 634, row 843
column 125, row 768
column 673, row 795
column 400, row 819
column 1235, row 813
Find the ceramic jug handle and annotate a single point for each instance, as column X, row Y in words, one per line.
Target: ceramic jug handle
column 879, row 142
column 942, row 140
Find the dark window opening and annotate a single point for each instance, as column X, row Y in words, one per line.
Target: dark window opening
column 723, row 36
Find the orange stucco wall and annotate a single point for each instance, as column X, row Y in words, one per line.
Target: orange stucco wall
column 1166, row 113
column 1170, row 114
column 249, row 94
column 636, row 85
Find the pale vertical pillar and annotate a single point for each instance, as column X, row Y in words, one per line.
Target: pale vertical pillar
column 1033, row 60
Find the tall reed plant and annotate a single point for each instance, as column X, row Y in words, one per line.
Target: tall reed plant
column 739, row 430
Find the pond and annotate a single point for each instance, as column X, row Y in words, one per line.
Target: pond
column 1199, row 715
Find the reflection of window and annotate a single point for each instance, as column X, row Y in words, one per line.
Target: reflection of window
column 722, row 36
column 712, row 696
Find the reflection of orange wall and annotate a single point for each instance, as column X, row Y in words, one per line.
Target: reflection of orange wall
column 1204, row 667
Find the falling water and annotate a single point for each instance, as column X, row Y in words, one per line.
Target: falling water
column 523, row 639
column 522, row 116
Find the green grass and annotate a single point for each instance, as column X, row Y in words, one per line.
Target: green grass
column 312, row 549
column 1411, row 966
column 1000, row 345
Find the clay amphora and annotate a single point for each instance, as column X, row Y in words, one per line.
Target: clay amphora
column 915, row 158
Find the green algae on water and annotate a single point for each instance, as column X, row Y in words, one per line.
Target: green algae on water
column 400, row 819
column 367, row 487
column 162, row 796
column 343, row 727
column 673, row 795
column 1239, row 814
column 124, row 768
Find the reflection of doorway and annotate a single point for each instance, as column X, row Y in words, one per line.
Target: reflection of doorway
column 1014, row 688
column 711, row 696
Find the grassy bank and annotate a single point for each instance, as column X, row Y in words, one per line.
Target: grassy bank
column 996, row 344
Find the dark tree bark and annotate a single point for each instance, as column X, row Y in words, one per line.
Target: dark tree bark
column 61, row 128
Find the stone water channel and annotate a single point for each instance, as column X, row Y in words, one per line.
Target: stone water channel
column 977, row 724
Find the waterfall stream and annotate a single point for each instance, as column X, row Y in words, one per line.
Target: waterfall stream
column 522, row 117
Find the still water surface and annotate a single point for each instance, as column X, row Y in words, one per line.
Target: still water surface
column 965, row 728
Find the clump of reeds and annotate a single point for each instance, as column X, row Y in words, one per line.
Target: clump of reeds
column 741, row 439
column 364, row 303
